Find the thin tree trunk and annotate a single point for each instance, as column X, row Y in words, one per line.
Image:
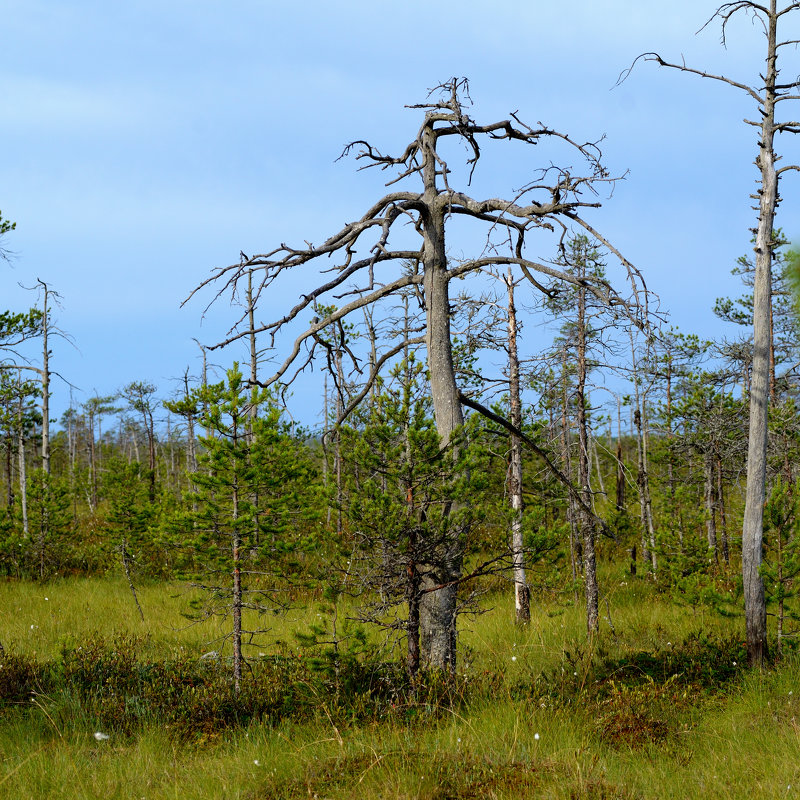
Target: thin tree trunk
column 9, row 475
column 710, row 497
column 723, row 517
column 251, row 435
column 23, row 482
column 151, row 453
column 594, row 455
column 126, row 565
column 586, row 523
column 191, row 444
column 93, row 462
column 45, row 375
column 522, row 603
column 575, row 548
column 643, row 478
column 324, row 442
column 620, row 498
column 236, row 545
column 338, row 451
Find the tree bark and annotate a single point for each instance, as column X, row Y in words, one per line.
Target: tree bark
column 575, row 548
column 584, row 469
column 710, row 495
column 753, row 525
column 23, row 481
column 439, row 606
column 522, row 595
column 45, row 376
column 723, row 517
column 236, row 544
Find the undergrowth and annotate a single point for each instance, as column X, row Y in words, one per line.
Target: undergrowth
column 641, row 698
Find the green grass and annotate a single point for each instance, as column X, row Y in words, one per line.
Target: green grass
column 38, row 619
column 652, row 708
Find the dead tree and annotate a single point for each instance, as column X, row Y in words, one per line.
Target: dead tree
column 366, row 250
column 522, row 592
column 767, row 94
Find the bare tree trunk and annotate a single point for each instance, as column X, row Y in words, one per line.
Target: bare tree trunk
column 755, row 495
column 337, row 458
column 9, row 475
column 594, row 455
column 324, row 442
column 620, row 498
column 134, row 440
column 23, row 481
column 642, row 477
column 647, row 498
column 767, row 93
column 72, row 446
column 93, row 462
column 575, row 548
column 126, row 566
column 439, row 606
column 191, row 444
column 586, row 523
column 522, row 595
column 710, row 496
column 151, row 455
column 45, row 376
column 251, row 435
column 723, row 517
column 236, row 545
column 253, row 351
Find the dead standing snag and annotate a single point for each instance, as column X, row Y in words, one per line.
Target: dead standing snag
column 767, row 95
column 554, row 200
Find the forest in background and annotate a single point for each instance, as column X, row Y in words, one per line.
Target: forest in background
column 622, row 462
column 157, row 488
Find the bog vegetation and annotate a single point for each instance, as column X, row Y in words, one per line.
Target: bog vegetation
column 498, row 567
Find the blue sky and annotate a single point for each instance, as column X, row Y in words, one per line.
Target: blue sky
column 146, row 143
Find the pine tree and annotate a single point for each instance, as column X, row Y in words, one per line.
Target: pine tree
column 244, row 456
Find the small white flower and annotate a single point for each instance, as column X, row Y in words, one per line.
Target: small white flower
column 33, row 627
column 734, row 663
column 47, row 598
column 513, row 658
column 536, row 737
column 101, row 737
column 256, row 762
column 458, row 741
column 575, row 674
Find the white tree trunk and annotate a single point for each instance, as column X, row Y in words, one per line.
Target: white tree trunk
column 522, row 595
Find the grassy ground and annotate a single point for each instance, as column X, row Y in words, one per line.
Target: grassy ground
column 653, row 708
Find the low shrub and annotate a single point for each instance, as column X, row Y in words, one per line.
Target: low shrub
column 20, row 678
